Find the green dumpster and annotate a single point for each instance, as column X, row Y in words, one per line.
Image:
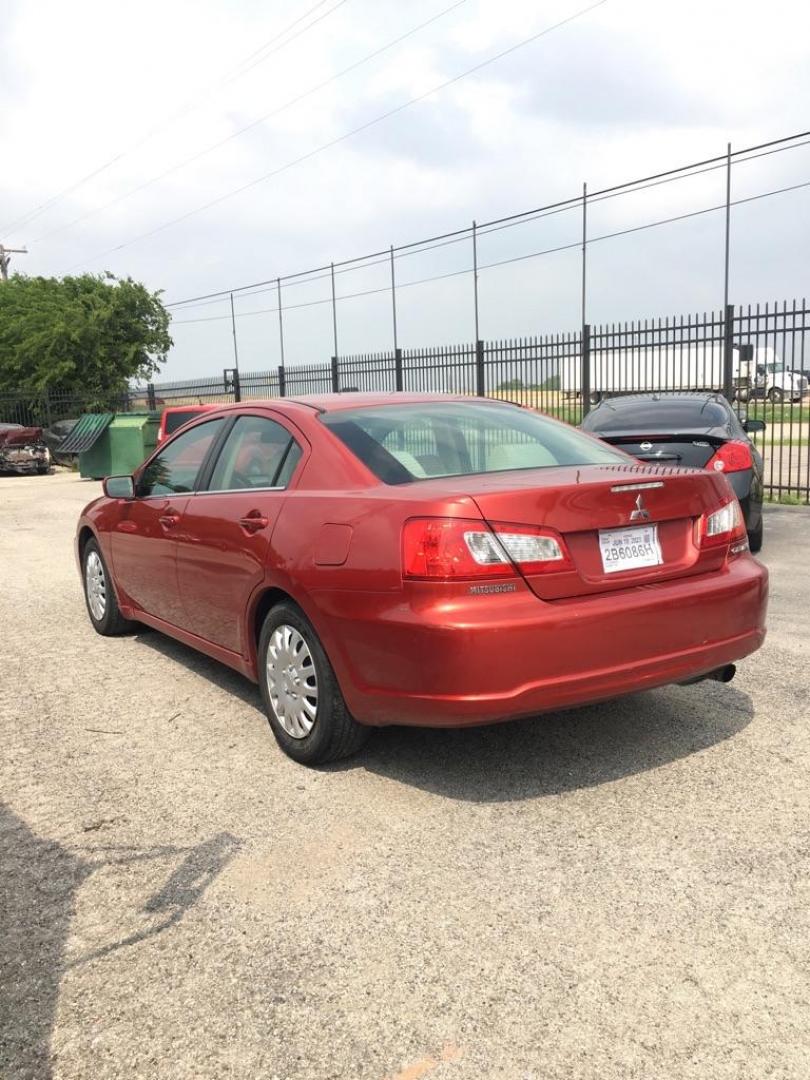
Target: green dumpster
column 115, row 445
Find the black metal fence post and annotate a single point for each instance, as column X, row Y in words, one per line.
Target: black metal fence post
column 728, row 353
column 335, row 376
column 282, row 381
column 150, row 397
column 585, row 377
column 480, row 372
column 334, row 312
column 230, row 383
column 399, row 381
column 475, row 275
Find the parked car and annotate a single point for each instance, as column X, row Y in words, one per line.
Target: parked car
column 22, row 450
column 55, row 435
column 176, row 415
column 374, row 559
column 698, row 430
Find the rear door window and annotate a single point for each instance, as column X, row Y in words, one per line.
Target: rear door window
column 258, row 453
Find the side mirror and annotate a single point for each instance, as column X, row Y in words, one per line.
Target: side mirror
column 119, row 487
column 754, row 426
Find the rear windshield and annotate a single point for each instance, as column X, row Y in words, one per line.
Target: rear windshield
column 401, row 443
column 174, row 420
column 648, row 416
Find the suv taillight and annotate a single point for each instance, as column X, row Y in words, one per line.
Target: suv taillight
column 732, row 456
column 723, row 526
column 459, row 549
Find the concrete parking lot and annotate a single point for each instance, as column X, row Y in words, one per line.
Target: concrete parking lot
column 620, row 891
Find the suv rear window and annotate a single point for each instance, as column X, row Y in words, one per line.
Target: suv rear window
column 175, row 420
column 401, row 443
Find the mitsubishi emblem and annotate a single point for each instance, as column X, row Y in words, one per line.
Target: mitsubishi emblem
column 641, row 513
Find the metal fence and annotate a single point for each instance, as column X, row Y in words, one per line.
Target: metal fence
column 755, row 355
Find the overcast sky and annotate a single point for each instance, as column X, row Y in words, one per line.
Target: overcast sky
column 631, row 88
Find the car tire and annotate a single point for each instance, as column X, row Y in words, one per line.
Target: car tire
column 291, row 660
column 99, row 594
column 755, row 538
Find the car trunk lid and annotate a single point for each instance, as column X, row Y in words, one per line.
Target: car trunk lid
column 579, row 502
column 693, row 448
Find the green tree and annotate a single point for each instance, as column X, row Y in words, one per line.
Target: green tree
column 85, row 336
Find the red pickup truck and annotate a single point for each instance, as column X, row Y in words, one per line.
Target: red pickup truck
column 176, row 415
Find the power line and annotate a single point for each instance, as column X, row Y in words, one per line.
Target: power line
column 346, row 135
column 507, row 262
column 249, row 127
column 419, row 247
column 230, row 76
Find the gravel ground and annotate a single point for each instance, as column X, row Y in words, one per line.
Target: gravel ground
column 619, row 891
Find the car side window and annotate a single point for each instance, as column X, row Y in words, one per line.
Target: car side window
column 258, row 453
column 175, row 468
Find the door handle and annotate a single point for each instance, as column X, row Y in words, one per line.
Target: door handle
column 254, row 521
column 168, row 521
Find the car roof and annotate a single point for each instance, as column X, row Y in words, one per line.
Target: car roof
column 325, row 403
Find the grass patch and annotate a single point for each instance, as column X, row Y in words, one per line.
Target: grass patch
column 787, row 498
column 777, row 414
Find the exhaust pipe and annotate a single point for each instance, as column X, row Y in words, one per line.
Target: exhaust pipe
column 722, row 674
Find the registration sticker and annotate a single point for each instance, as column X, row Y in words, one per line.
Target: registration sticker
column 630, row 549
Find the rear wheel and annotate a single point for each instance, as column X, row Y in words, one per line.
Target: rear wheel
column 304, row 705
column 99, row 594
column 755, row 538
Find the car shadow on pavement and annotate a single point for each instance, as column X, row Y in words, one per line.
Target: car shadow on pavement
column 523, row 759
column 39, row 881
column 559, row 752
column 219, row 674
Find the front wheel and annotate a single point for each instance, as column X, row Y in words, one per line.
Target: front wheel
column 776, row 396
column 99, row 594
column 304, row 705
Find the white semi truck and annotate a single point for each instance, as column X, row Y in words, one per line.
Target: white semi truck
column 756, row 373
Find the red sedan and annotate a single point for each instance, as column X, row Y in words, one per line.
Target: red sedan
column 412, row 559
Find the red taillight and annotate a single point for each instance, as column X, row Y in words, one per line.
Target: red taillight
column 458, row 549
column 722, row 526
column 732, row 457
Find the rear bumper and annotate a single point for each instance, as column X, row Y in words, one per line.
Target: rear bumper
column 479, row 660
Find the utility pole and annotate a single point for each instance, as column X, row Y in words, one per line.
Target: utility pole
column 5, row 259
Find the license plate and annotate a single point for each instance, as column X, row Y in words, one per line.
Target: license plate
column 630, row 549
